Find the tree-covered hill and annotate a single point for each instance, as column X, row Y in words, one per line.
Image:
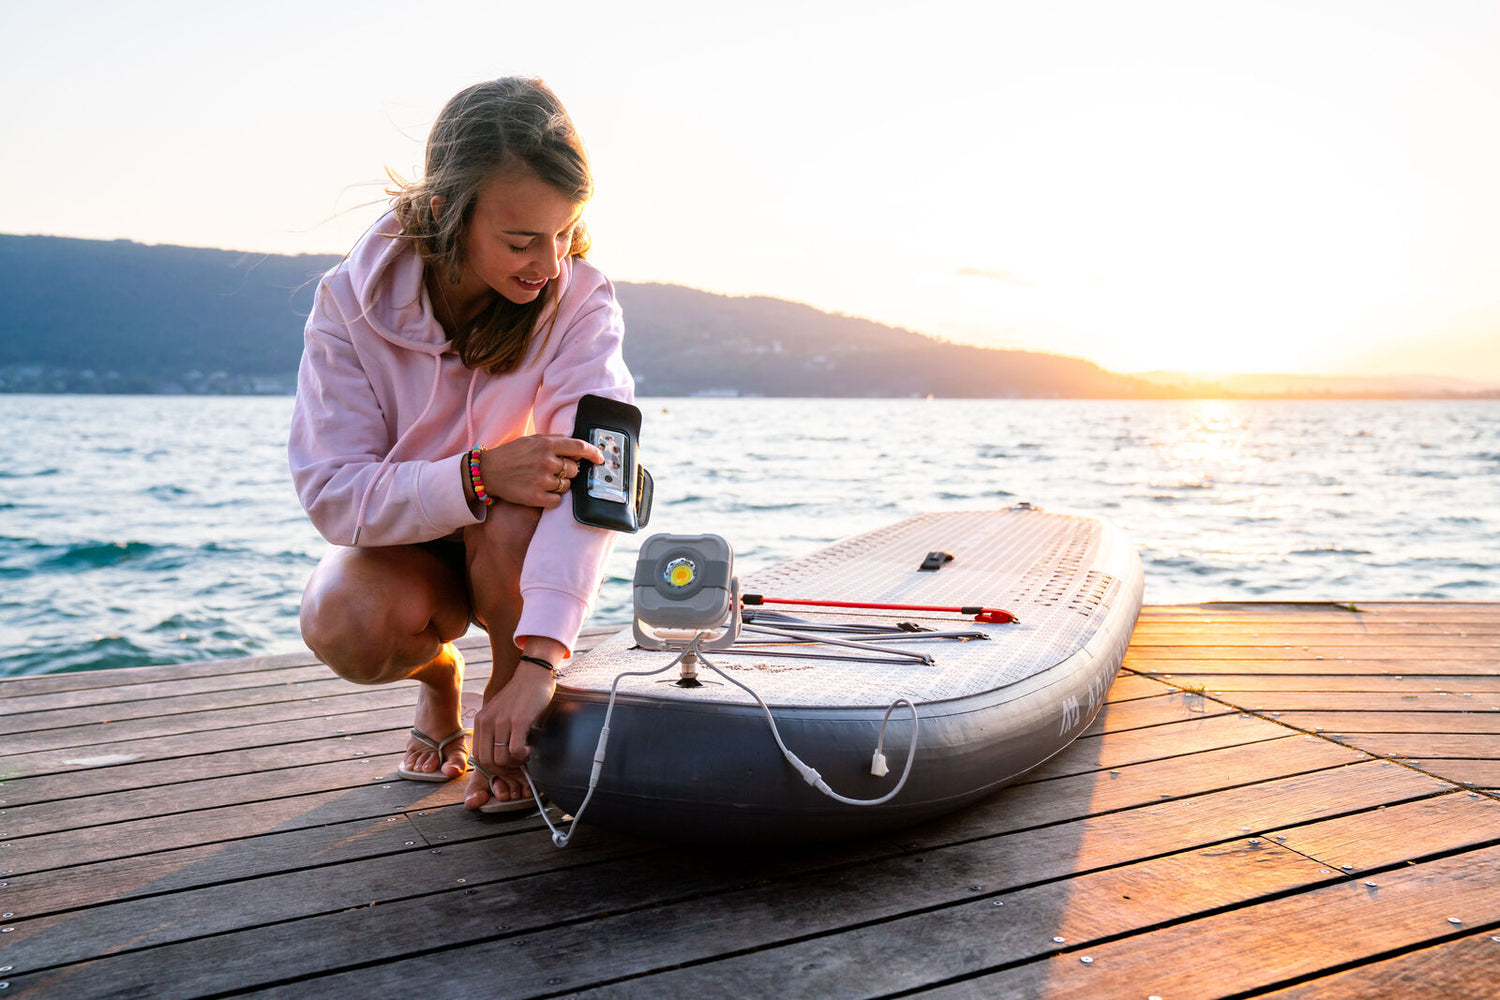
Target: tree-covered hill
column 90, row 315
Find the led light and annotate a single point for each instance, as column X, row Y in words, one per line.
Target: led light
column 680, row 572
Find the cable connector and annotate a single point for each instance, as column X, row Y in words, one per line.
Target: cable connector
column 877, row 765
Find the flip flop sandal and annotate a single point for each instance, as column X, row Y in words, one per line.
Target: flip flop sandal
column 494, row 805
column 439, row 746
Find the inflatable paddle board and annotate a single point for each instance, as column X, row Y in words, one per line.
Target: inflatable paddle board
column 991, row 700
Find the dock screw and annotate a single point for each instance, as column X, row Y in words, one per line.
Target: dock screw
column 411, row 843
column 462, row 880
column 1086, row 960
column 1000, row 902
column 6, row 916
column 1281, row 836
column 1254, row 841
column 975, row 888
column 1058, row 940
column 6, row 930
column 1455, row 921
column 1347, row 868
column 1369, row 885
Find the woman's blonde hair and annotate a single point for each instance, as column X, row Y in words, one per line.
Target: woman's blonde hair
column 511, row 124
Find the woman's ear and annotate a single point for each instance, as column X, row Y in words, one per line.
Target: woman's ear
column 436, row 204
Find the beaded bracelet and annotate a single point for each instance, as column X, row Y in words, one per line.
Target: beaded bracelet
column 474, row 477
column 541, row 663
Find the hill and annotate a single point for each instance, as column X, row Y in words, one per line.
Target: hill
column 117, row 316
column 88, row 315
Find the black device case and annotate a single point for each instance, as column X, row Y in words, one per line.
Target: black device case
column 624, row 422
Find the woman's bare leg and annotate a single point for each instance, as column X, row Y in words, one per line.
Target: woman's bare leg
column 377, row 615
column 495, row 550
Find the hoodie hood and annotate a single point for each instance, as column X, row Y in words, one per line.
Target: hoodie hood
column 385, row 272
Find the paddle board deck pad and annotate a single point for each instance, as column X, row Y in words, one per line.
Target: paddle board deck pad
column 700, row 763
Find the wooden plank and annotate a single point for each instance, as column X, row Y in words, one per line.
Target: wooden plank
column 1376, row 653
column 1461, row 968
column 84, row 679
column 854, row 881
column 1473, row 773
column 1274, row 943
column 1292, row 685
column 971, row 938
column 117, row 694
column 1128, row 687
column 362, row 800
column 910, row 952
column 1159, row 711
column 770, row 910
column 221, row 790
column 120, row 737
column 1425, row 745
column 395, row 862
column 1395, row 722
column 1204, row 668
column 1397, row 834
column 1193, row 735
column 323, row 689
column 1149, row 630
column 1349, row 646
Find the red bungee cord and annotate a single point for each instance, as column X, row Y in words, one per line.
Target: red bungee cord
column 993, row 616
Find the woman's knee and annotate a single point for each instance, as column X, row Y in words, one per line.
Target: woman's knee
column 347, row 641
column 373, row 617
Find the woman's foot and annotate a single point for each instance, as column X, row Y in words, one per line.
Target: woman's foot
column 481, row 793
column 439, row 717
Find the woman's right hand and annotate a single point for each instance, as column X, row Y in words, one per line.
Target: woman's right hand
column 532, row 471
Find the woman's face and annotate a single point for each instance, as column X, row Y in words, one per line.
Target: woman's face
column 518, row 234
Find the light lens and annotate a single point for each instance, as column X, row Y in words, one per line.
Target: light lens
column 680, row 572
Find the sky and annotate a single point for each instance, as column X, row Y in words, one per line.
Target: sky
column 1304, row 186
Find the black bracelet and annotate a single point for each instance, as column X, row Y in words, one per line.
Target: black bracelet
column 541, row 663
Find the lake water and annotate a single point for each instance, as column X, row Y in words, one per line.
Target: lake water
column 154, row 529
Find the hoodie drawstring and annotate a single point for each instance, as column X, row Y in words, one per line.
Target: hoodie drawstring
column 469, row 409
column 437, row 374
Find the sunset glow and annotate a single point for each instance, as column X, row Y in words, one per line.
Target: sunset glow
column 1285, row 186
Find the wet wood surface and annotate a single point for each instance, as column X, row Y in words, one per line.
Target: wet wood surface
column 1296, row 800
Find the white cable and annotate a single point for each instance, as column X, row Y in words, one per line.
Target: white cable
column 811, row 776
column 559, row 838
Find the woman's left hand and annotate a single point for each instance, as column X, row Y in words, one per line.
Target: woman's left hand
column 502, row 724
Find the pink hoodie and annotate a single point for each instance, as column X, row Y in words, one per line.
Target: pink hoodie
column 386, row 414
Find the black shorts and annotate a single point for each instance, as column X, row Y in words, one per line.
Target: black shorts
column 450, row 552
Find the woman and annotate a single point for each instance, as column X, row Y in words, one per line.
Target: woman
column 443, row 362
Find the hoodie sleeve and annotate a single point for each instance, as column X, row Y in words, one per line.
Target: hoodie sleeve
column 338, row 448
column 565, row 563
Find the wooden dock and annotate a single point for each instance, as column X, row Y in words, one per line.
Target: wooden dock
column 1288, row 799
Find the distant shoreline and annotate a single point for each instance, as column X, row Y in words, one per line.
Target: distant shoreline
column 245, row 386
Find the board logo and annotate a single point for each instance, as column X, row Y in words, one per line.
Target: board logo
column 1070, row 714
